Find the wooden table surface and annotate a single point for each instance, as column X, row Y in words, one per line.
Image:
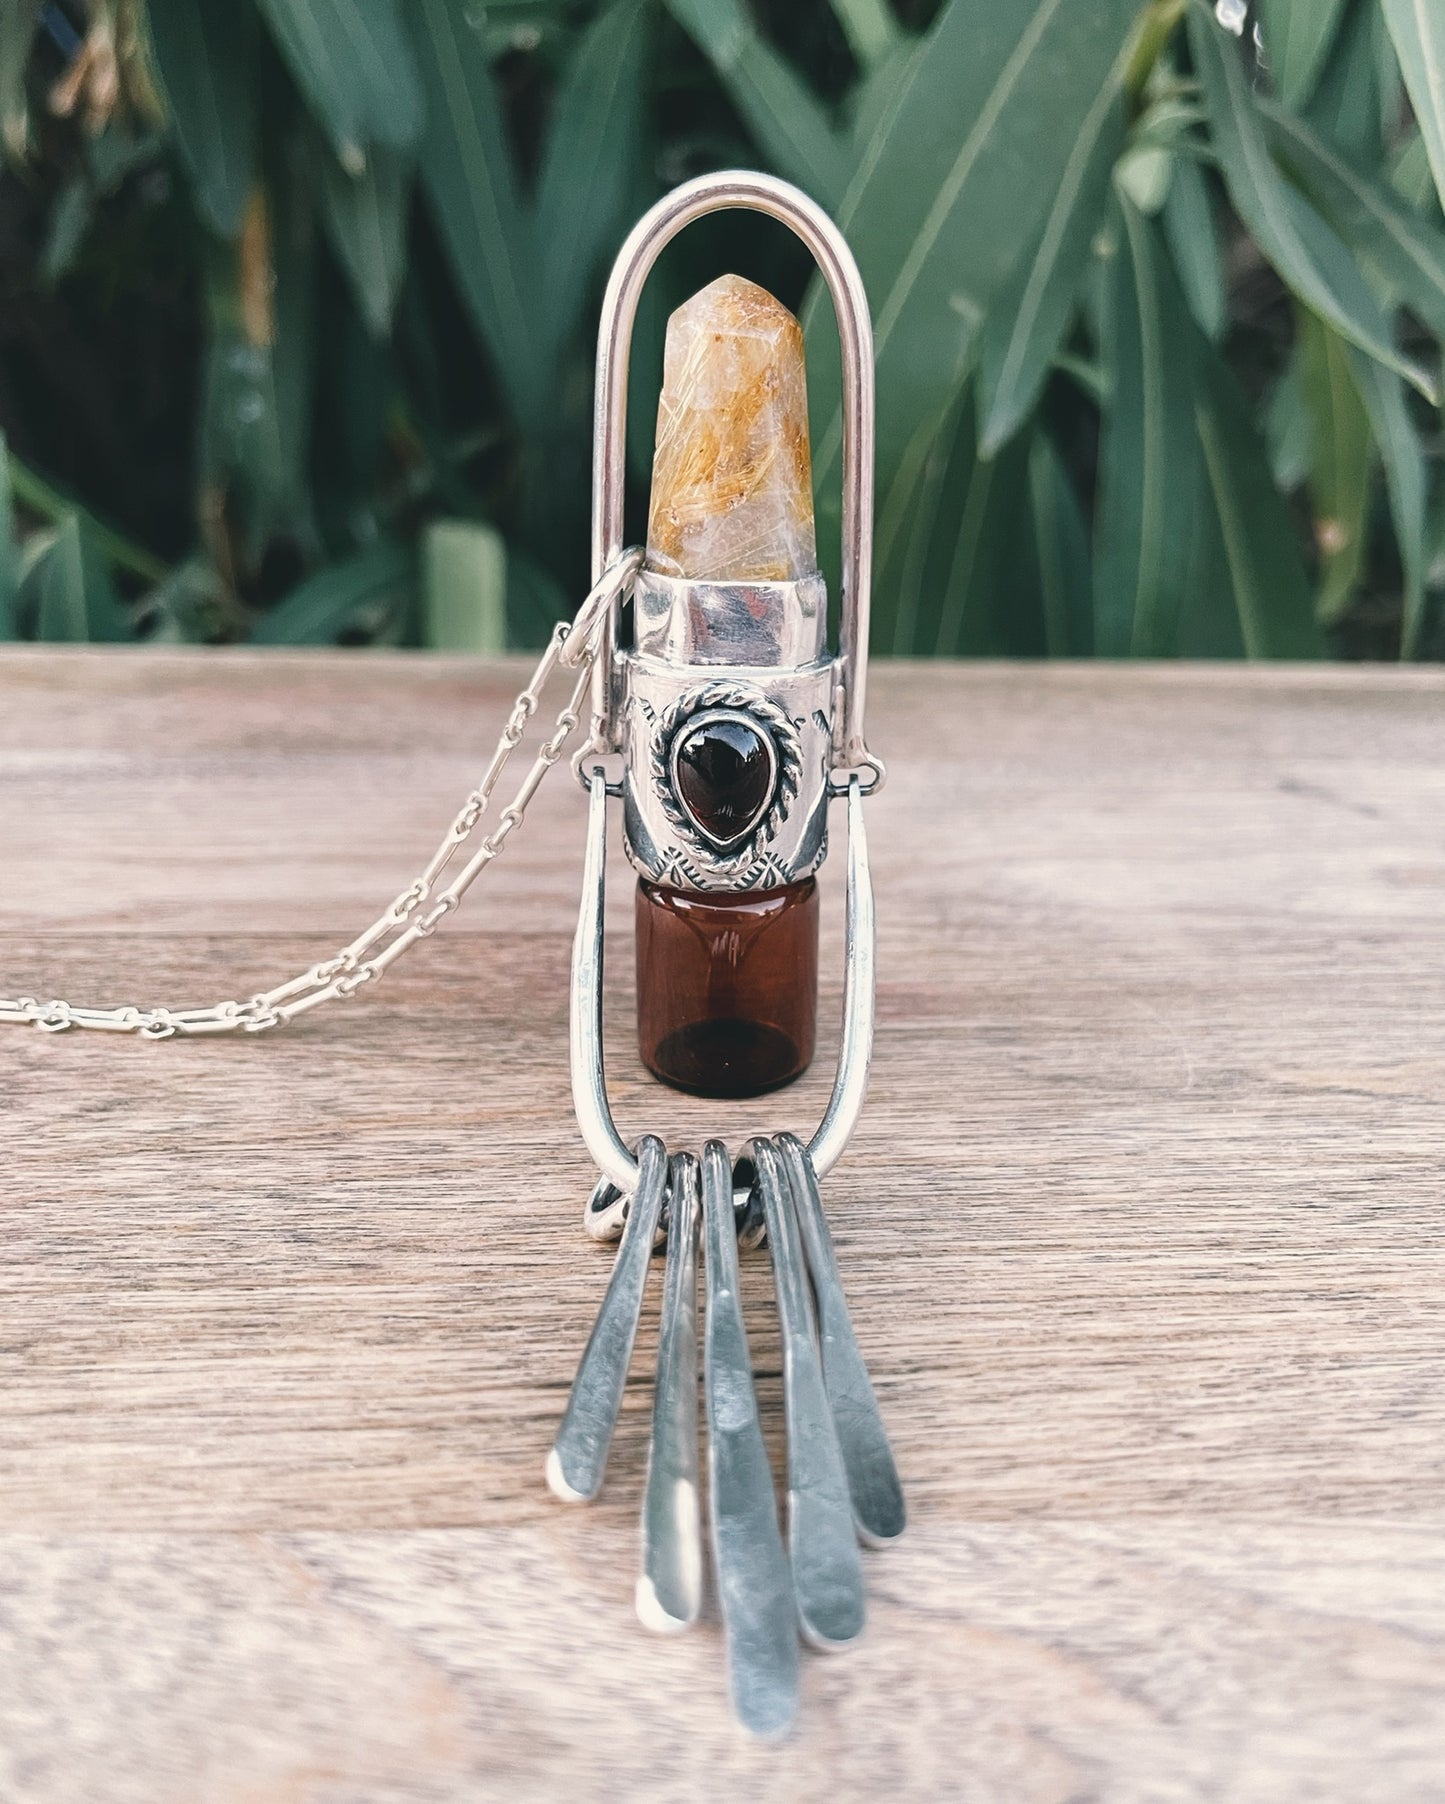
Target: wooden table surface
column 1142, row 1228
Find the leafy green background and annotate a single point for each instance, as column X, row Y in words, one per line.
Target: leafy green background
column 296, row 321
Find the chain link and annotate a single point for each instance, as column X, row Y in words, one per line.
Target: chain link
column 394, row 932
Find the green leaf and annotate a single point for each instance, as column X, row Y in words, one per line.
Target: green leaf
column 29, row 567
column 107, row 620
column 874, row 100
column 1061, row 551
column 1084, row 373
column 1408, row 251
column 353, row 62
column 536, row 601
column 1297, row 36
column 466, row 168
column 204, row 58
column 356, row 398
column 1404, row 463
column 961, row 589
column 1347, row 107
column 18, row 22
column 789, row 123
column 1304, row 250
column 106, row 160
column 1435, row 548
column 1208, row 622
column 649, row 335
column 75, row 598
column 9, row 556
column 589, row 168
column 1418, row 30
column 246, row 476
column 70, row 218
column 1193, row 240
column 1031, row 313
column 464, row 587
column 1170, row 123
column 1266, row 576
column 41, row 497
column 908, row 529
column 971, row 621
column 1389, row 86
column 1410, row 175
column 1287, row 428
column 870, row 27
column 1143, row 172
column 366, row 218
column 293, row 350
column 322, row 607
column 117, row 153
column 1148, row 458
column 59, row 588
column 1340, row 455
column 988, row 114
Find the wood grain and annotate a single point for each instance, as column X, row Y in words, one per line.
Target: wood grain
column 1142, row 1229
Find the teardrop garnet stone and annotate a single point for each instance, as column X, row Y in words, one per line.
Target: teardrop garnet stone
column 724, row 769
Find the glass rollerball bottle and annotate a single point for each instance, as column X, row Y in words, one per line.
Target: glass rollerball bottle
column 725, row 795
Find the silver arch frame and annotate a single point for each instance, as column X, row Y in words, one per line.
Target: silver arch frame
column 744, row 188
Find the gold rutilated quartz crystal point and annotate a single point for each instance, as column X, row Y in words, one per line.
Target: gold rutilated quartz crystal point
column 732, row 478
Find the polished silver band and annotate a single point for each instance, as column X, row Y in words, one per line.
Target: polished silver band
column 684, row 621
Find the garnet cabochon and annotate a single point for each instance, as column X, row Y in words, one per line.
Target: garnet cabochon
column 724, row 770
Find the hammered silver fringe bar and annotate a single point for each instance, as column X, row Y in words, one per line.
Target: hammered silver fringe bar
column 822, row 1544
column 669, row 1587
column 754, row 1583
column 878, row 1507
column 578, row 1460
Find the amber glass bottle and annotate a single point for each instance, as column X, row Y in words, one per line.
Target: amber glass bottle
column 729, row 1004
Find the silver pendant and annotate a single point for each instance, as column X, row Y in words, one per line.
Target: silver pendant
column 746, row 658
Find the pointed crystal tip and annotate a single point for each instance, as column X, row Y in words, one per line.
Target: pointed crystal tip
column 732, row 478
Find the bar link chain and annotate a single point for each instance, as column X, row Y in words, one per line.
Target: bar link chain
column 372, row 953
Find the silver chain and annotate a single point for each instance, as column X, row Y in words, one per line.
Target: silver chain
column 417, row 912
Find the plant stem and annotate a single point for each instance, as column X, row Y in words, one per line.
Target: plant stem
column 1155, row 30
